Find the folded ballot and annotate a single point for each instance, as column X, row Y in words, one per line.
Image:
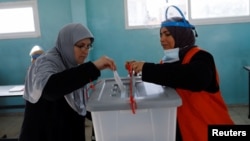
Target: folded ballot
column 119, row 82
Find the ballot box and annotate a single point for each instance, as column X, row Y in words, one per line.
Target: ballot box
column 153, row 117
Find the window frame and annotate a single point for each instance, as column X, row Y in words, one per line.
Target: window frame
column 22, row 4
column 205, row 21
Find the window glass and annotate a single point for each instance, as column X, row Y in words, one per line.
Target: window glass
column 201, row 9
column 19, row 20
column 141, row 13
column 23, row 16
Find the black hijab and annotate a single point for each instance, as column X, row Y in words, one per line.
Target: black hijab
column 183, row 33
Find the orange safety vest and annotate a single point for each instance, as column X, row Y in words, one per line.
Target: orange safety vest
column 200, row 109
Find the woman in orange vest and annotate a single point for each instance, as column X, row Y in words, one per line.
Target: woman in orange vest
column 192, row 72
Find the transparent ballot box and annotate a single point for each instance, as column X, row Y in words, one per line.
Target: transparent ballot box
column 152, row 119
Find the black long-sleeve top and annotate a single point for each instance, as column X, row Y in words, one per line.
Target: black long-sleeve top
column 199, row 74
column 51, row 118
column 69, row 80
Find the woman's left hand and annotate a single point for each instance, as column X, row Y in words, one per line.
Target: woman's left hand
column 104, row 63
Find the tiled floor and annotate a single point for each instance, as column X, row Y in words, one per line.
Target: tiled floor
column 239, row 113
column 10, row 124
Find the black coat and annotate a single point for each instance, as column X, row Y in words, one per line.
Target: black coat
column 51, row 118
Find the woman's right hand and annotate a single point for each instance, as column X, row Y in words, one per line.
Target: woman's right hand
column 128, row 64
column 135, row 66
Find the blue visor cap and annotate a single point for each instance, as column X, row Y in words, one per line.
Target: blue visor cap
column 178, row 24
column 170, row 22
column 35, row 56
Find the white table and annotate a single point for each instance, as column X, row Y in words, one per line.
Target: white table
column 11, row 91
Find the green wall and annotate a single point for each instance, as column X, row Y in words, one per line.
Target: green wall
column 229, row 43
